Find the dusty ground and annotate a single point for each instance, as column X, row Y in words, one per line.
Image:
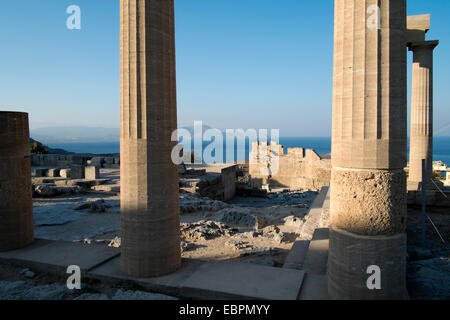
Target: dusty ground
column 245, row 228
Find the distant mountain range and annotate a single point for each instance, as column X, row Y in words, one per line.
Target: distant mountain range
column 75, row 134
column 83, row 134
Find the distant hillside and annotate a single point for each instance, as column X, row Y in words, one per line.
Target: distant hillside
column 84, row 134
column 75, row 134
column 50, row 150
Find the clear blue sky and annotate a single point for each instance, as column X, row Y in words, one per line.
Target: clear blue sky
column 240, row 63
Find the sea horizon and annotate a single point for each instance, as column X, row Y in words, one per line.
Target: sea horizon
column 322, row 145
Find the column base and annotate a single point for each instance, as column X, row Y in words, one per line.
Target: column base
column 150, row 247
column 350, row 255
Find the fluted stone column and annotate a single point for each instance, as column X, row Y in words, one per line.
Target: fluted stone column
column 150, row 219
column 16, row 208
column 421, row 136
column 368, row 184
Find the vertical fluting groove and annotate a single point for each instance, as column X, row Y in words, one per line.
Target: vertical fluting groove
column 121, row 62
column 127, row 71
column 337, row 72
column 142, row 75
column 357, row 70
column 139, row 101
column 172, row 70
column 383, row 118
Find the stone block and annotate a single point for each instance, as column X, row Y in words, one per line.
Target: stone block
column 37, row 172
column 65, row 173
column 53, row 173
column 92, row 173
column 317, row 257
column 420, row 22
column 107, row 188
column 77, row 172
column 45, row 254
column 224, row 280
column 315, row 287
column 297, row 255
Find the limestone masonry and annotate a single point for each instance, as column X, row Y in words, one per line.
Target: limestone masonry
column 298, row 169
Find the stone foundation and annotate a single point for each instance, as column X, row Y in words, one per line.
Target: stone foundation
column 368, row 202
column 350, row 255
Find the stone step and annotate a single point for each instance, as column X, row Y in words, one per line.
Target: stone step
column 314, row 216
column 314, row 287
column 53, row 256
column 237, row 280
column 297, row 255
column 107, row 188
column 316, row 260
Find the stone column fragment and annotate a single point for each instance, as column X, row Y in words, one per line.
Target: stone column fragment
column 16, row 208
column 150, row 219
column 368, row 184
column 421, row 136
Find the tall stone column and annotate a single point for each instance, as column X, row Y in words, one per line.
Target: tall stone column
column 421, row 136
column 368, row 184
column 16, row 208
column 150, row 217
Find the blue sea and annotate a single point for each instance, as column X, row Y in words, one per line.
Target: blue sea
column 322, row 145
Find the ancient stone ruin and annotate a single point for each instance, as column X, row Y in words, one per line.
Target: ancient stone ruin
column 298, row 169
column 294, row 224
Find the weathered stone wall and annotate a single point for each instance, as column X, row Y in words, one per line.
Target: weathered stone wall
column 48, row 160
column 65, row 161
column 298, row 169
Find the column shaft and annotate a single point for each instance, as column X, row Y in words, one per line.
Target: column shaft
column 16, row 207
column 421, row 136
column 150, row 220
column 368, row 187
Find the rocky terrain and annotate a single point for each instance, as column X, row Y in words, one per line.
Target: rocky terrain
column 210, row 229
